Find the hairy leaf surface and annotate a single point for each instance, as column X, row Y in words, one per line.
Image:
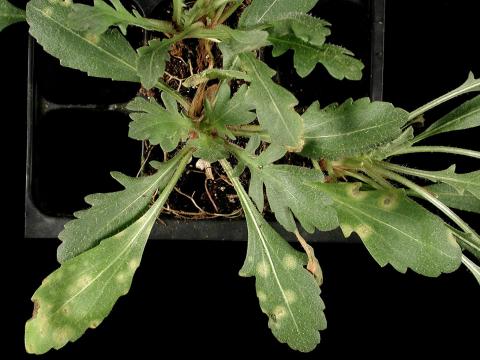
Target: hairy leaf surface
column 274, row 105
column 395, row 229
column 351, row 128
column 10, row 14
column 111, row 213
column 158, row 124
column 108, row 55
column 287, row 292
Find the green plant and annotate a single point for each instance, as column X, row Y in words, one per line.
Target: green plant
column 351, row 184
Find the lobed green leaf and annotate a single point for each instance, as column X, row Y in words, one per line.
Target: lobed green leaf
column 159, row 125
column 111, row 213
column 395, row 229
column 351, row 128
column 287, row 292
column 274, row 105
column 108, row 55
column 82, row 292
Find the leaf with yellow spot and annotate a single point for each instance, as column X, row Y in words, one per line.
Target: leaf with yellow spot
column 82, row 292
column 287, row 292
column 108, row 55
column 395, row 229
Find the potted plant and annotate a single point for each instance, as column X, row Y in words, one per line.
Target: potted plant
column 322, row 167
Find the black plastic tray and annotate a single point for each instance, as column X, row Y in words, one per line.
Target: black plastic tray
column 77, row 133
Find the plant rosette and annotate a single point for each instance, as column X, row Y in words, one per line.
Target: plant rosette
column 352, row 183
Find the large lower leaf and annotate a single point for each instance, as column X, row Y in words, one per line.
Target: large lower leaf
column 82, row 292
column 157, row 124
column 287, row 292
column 466, row 116
column 111, row 213
column 274, row 104
column 108, row 55
column 9, row 14
column 267, row 11
column 351, row 128
column 395, row 229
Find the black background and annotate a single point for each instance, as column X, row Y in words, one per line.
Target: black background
column 187, row 298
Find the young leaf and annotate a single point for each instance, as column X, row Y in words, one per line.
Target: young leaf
column 108, row 55
column 209, row 148
column 111, row 213
column 306, row 28
column 267, row 11
column 230, row 111
column 466, row 116
column 474, row 268
column 452, row 198
column 351, row 128
column 274, row 104
column 159, row 125
column 10, row 14
column 240, row 41
column 82, row 292
column 287, row 292
column 152, row 60
column 395, row 229
column 98, row 18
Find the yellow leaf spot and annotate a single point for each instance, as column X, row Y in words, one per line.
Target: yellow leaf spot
column 92, row 38
column 353, row 191
column 48, row 11
column 289, row 262
column 290, row 296
column 94, row 324
column 263, row 269
column 364, row 231
column 62, row 335
column 261, row 296
column 134, row 264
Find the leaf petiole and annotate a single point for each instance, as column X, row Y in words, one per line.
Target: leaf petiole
column 437, row 149
column 470, row 85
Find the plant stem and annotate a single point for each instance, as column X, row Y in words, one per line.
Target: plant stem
column 250, row 130
column 382, row 170
column 229, row 12
column 413, row 172
column 363, row 178
column 175, row 94
column 438, row 149
column 177, row 11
